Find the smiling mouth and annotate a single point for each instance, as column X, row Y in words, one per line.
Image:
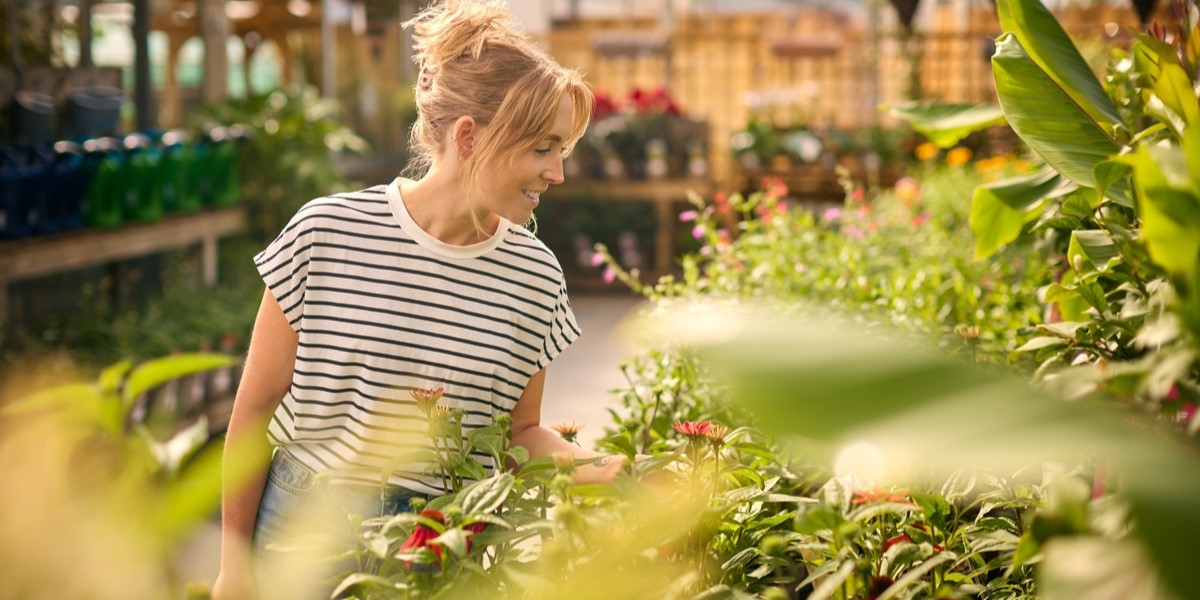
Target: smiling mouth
column 534, row 196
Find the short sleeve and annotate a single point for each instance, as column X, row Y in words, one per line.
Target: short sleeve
column 563, row 329
column 283, row 265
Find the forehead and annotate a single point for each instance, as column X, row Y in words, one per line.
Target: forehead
column 561, row 127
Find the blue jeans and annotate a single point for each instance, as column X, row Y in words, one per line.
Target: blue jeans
column 305, row 526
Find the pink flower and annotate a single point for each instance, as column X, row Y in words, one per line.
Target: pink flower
column 832, row 214
column 698, row 231
column 426, row 399
column 908, row 190
column 1186, row 413
column 920, row 219
column 597, row 259
column 693, row 429
column 723, row 237
column 854, row 232
column 609, row 275
column 688, row 215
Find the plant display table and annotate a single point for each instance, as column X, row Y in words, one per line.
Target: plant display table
column 49, row 254
column 662, row 193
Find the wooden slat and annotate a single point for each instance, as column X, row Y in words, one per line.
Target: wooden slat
column 43, row 255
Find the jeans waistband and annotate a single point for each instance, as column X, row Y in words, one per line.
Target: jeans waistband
column 300, row 476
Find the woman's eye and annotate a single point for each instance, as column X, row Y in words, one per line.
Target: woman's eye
column 542, row 150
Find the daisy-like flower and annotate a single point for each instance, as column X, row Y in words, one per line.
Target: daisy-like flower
column 879, row 495
column 564, row 462
column 439, row 420
column 568, row 431
column 426, row 399
column 693, row 429
column 716, row 434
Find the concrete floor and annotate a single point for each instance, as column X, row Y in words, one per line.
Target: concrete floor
column 577, row 389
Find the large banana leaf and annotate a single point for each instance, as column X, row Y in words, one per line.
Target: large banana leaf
column 922, row 409
column 999, row 210
column 1045, row 115
column 1051, row 49
column 947, row 124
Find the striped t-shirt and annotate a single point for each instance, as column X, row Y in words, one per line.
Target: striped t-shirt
column 381, row 308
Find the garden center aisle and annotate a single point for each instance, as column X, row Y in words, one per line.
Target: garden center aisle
column 579, row 380
column 577, row 389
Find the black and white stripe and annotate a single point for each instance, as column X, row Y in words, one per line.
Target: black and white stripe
column 382, row 308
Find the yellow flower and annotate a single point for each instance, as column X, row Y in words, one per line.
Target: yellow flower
column 926, row 151
column 958, row 156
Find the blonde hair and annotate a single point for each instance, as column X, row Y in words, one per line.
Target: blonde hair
column 475, row 62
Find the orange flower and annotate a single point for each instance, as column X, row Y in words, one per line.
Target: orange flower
column 926, row 151
column 958, row 156
column 716, row 434
column 568, row 431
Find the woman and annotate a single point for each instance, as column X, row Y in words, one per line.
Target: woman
column 419, row 284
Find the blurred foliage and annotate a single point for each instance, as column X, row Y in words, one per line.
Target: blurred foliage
column 90, row 482
column 289, row 158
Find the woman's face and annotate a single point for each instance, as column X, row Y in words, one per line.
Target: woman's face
column 513, row 190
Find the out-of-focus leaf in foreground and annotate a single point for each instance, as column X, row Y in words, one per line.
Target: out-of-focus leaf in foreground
column 833, row 385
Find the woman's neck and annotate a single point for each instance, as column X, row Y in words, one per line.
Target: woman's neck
column 438, row 205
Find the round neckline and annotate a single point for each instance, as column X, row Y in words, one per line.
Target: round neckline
column 432, row 244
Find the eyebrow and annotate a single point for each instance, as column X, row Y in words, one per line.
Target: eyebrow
column 554, row 137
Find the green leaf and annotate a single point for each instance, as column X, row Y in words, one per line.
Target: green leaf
column 1174, row 88
column 1112, row 181
column 1093, row 246
column 1048, row 118
column 364, row 582
column 947, row 124
column 999, row 210
column 1050, row 48
column 154, row 373
column 111, row 377
column 819, row 519
column 1169, row 207
column 454, row 540
column 914, row 575
column 487, row 495
column 1040, row 342
column 834, row 582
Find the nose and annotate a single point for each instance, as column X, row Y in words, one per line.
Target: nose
column 554, row 173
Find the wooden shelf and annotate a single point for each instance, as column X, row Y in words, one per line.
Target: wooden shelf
column 49, row 254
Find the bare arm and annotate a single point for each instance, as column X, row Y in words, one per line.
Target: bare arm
column 270, row 363
column 539, row 441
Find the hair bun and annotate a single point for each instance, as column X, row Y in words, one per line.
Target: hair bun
column 450, row 29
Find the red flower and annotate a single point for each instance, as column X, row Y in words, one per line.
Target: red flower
column 423, row 534
column 879, row 495
column 693, row 429
column 472, row 529
column 892, row 541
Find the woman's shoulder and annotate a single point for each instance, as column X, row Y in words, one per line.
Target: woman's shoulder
column 365, row 204
column 523, row 244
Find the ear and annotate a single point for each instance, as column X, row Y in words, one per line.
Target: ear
column 462, row 136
